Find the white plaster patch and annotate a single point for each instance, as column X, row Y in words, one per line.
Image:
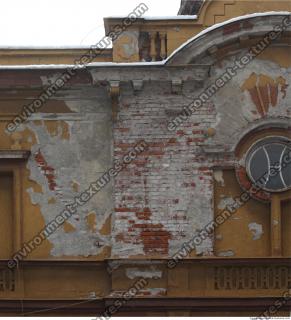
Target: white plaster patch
column 125, row 250
column 69, row 159
column 228, row 253
column 218, row 176
column 48, row 80
column 224, row 202
column 257, row 230
column 152, row 273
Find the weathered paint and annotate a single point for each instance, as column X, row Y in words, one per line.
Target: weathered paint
column 166, row 195
column 257, row 230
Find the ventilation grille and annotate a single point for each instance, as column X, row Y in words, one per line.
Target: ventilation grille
column 235, row 278
column 7, row 280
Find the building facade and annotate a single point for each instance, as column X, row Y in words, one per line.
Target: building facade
column 152, row 178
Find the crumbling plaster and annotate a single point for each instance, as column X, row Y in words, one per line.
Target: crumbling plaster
column 76, row 159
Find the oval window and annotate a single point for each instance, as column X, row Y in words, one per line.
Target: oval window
column 269, row 164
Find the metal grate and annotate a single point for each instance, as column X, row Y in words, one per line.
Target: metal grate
column 7, row 280
column 235, row 278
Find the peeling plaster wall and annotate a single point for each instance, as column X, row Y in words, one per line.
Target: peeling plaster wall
column 237, row 104
column 166, row 196
column 70, row 151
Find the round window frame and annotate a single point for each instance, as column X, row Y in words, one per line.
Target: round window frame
column 258, row 144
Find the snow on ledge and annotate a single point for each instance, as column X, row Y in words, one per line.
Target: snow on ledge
column 156, row 63
column 151, row 18
column 72, row 66
column 219, row 25
column 33, row 47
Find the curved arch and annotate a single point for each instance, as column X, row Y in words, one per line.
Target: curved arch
column 226, row 33
column 258, row 126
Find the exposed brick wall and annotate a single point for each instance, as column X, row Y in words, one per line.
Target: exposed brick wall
column 156, row 196
column 166, row 195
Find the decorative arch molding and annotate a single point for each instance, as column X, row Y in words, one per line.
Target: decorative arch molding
column 258, row 126
column 232, row 33
column 262, row 125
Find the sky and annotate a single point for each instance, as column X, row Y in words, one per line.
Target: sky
column 56, row 23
